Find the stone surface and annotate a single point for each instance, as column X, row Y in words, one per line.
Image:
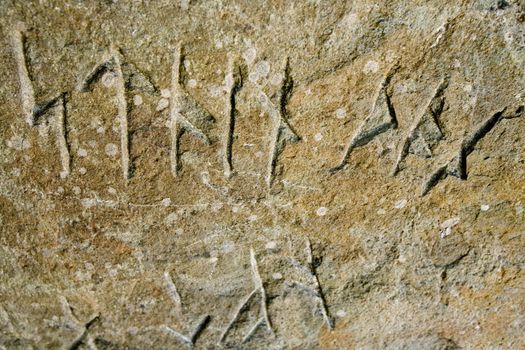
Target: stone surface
column 262, row 174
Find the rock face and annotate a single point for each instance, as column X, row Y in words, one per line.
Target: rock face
column 262, row 174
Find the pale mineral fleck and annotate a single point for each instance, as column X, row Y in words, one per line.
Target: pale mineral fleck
column 400, row 204
column 166, row 93
column 163, row 104
column 450, row 222
column 340, row 113
column 249, row 55
column 192, row 83
column 321, row 211
column 371, row 67
column 277, row 276
column 340, row 313
column 111, row 149
column 137, row 100
column 272, row 245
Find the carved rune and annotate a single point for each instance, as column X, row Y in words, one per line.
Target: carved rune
column 259, row 288
column 183, row 108
column 113, row 62
column 382, row 117
column 282, row 132
column 54, row 109
column 457, row 166
column 425, row 132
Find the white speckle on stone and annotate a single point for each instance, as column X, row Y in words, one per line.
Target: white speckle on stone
column 321, row 211
column 137, row 100
column 252, row 218
column 82, row 152
column 111, row 190
column 171, row 218
column 228, row 247
column 371, row 67
column 166, row 93
column 165, row 202
column 179, row 231
column 218, row 44
column 236, row 208
column 259, row 154
column 192, row 83
column 253, row 77
column 60, row 189
column 400, row 204
column 187, row 64
column 340, row 313
column 76, row 190
column 163, row 104
column 87, row 202
column 308, row 92
column 340, row 113
column 18, row 143
column 101, row 130
column 214, row 260
column 381, row 211
column 82, row 171
column 262, row 68
column 249, row 55
column 318, row 137
column 272, row 245
column 111, row 149
column 390, row 56
column 445, row 232
column 215, row 207
column 108, row 79
column 519, row 209
column 467, row 88
column 133, row 330
column 277, row 276
column 276, row 79
column 484, row 207
column 450, row 222
column 215, row 90
column 349, row 20
column 16, row 172
column 63, row 174
column 184, row 5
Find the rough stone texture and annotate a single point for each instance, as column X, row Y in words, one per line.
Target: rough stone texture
column 359, row 164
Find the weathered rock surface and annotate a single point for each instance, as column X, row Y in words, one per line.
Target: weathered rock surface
column 262, row 174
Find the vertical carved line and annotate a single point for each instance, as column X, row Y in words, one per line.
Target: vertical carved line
column 61, row 134
column 175, row 129
column 282, row 131
column 122, row 112
column 233, row 84
column 27, row 93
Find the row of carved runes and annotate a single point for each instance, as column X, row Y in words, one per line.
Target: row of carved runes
column 186, row 114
